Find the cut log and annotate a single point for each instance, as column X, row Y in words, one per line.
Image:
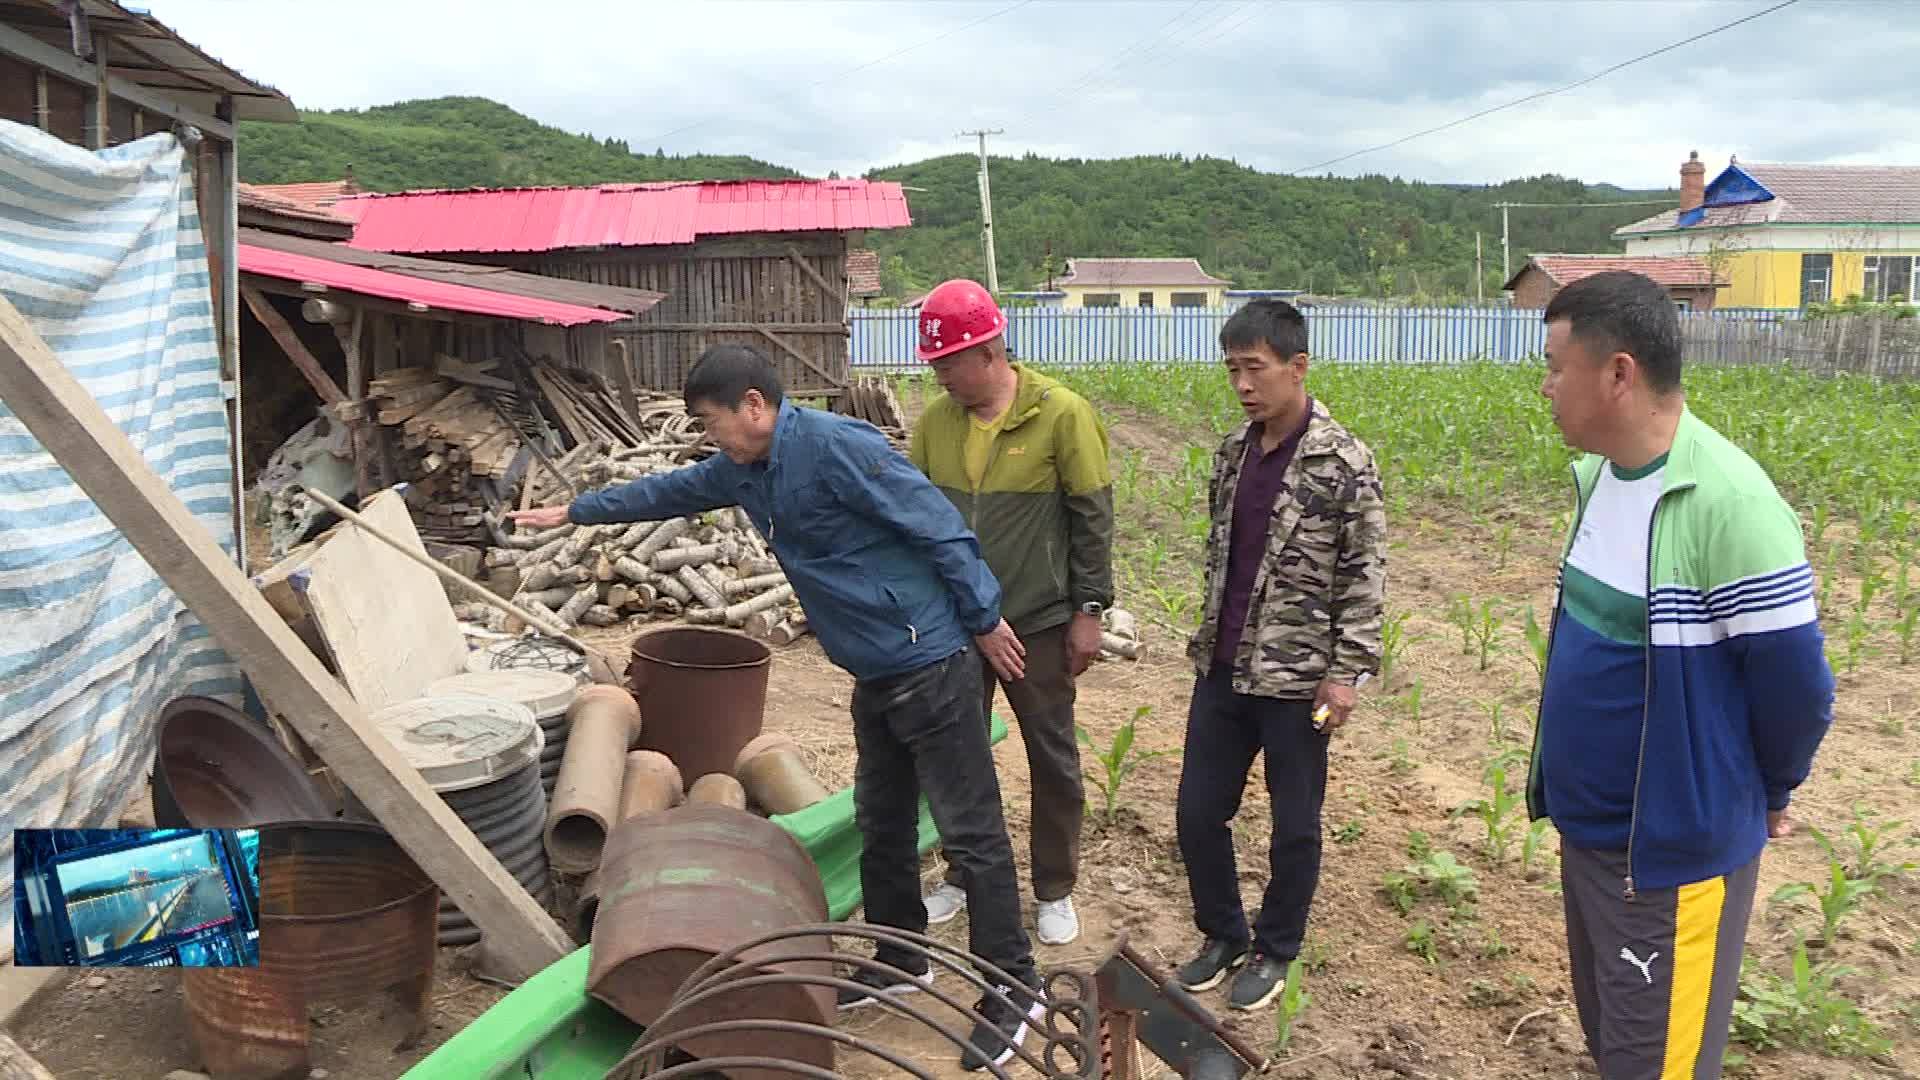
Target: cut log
column 760, row 567
column 600, row 615
column 700, row 587
column 790, row 631
column 576, row 545
column 674, row 589
column 760, row 624
column 632, row 569
column 740, row 587
column 706, row 617
column 569, row 613
column 675, row 558
column 1121, row 647
column 659, row 539
column 668, row 607
column 737, row 614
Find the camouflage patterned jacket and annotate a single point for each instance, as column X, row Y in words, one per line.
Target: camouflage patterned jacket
column 1315, row 610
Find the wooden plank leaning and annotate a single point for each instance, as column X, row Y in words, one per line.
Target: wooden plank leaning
column 83, row 440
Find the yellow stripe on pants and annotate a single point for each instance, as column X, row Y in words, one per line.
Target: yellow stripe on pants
column 1696, row 933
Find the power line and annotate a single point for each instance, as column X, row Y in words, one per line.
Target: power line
column 1576, row 205
column 1109, row 65
column 1545, row 93
column 894, row 55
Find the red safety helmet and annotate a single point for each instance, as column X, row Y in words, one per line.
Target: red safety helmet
column 956, row 315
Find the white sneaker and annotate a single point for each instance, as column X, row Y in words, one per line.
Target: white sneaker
column 944, row 903
column 1056, row 922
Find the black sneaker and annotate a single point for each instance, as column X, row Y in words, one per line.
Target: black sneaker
column 1258, row 983
column 996, row 1040
column 875, row 983
column 1216, row 958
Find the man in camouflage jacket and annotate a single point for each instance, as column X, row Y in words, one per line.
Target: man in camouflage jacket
column 1296, row 575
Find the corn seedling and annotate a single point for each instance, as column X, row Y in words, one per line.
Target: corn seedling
column 1420, row 942
column 1118, row 760
column 1348, row 832
column 1829, row 576
column 1505, row 545
column 1869, row 841
column 1294, row 1000
column 1496, row 729
column 1905, row 629
column 1804, row 1011
column 1485, row 628
column 1536, row 646
column 1822, row 517
column 1491, row 947
column 1530, row 848
column 1393, row 644
column 1496, row 811
column 1842, row 896
column 1399, row 762
column 1411, row 702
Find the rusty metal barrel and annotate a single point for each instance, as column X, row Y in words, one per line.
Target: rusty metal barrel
column 344, row 914
column 215, row 768
column 679, row 887
column 702, row 694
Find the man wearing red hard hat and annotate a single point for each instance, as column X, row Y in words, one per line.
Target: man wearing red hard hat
column 1024, row 459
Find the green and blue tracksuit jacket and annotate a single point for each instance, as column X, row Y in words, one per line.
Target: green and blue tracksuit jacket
column 1671, row 733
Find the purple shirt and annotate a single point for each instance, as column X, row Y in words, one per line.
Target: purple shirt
column 1253, row 499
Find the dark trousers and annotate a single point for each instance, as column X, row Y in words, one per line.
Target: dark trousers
column 1224, row 732
column 1043, row 704
column 924, row 732
column 1654, row 978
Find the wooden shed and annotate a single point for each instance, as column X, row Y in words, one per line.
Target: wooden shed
column 96, row 74
column 757, row 262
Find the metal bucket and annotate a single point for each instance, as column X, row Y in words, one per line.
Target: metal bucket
column 679, row 887
column 344, row 913
column 702, row 694
column 214, row 768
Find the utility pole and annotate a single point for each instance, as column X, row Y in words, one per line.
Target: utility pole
column 1479, row 272
column 1506, row 269
column 986, row 210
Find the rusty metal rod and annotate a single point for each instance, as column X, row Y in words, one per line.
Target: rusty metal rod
column 706, row 1067
column 714, row 977
column 793, row 1027
column 885, row 1001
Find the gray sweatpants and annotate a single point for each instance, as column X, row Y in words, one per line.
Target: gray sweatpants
column 1654, row 978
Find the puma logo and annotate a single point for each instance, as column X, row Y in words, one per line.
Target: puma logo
column 1645, row 966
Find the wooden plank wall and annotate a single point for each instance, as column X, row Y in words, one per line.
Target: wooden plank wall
column 1860, row 345
column 715, row 291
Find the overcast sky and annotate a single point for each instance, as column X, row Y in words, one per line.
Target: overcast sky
column 1279, row 85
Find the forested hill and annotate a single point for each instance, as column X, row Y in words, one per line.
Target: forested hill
column 1369, row 236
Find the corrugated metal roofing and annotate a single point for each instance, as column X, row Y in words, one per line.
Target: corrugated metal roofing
column 616, row 215
column 492, row 278
column 288, row 266
column 1170, row 272
column 1668, row 270
column 316, row 193
column 146, row 51
column 1811, row 195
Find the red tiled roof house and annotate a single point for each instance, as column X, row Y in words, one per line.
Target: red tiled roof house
column 1688, row 280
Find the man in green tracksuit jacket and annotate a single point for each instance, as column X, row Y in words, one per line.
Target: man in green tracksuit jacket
column 1025, row 461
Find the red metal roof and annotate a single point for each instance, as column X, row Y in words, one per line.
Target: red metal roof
column 289, row 266
column 616, row 215
column 1668, row 270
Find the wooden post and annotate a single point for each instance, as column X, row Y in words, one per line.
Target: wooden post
column 291, row 344
column 101, row 134
column 17, row 1064
column 357, row 393
column 59, row 412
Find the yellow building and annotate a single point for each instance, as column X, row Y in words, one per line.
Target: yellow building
column 1145, row 283
column 1784, row 236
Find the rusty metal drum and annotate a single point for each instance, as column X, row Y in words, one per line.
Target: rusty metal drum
column 681, row 886
column 344, row 914
column 702, row 694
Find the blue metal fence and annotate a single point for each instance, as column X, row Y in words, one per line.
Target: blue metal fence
column 883, row 338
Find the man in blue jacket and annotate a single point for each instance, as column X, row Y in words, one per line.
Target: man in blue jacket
column 895, row 588
column 1686, row 687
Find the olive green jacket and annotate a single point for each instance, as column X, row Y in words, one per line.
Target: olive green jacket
column 1044, row 508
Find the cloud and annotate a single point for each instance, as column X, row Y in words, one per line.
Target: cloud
column 1275, row 85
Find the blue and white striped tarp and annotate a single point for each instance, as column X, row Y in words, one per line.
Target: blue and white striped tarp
column 102, row 252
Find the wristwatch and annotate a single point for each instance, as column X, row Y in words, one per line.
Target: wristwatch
column 1093, row 607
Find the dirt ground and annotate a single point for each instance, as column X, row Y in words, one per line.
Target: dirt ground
column 1492, row 1004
